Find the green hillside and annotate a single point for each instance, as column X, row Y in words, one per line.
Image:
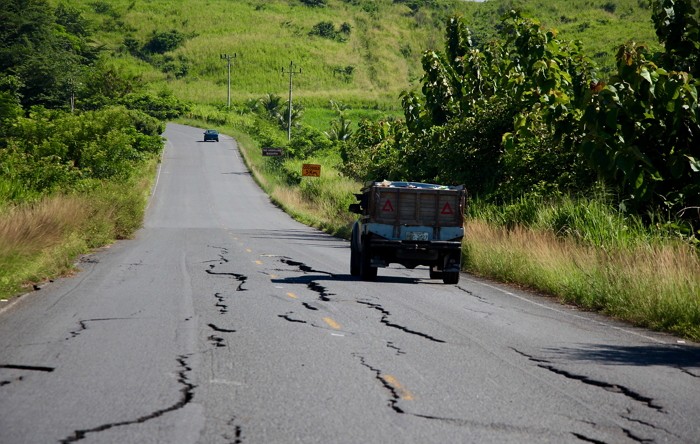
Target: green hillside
column 601, row 25
column 364, row 52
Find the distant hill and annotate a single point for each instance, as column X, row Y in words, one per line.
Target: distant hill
column 360, row 52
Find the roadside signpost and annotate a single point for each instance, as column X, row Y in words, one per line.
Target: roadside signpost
column 272, row 152
column 311, row 170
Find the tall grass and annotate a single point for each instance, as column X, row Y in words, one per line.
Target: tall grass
column 41, row 239
column 588, row 254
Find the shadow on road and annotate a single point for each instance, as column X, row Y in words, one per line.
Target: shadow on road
column 644, row 355
column 305, row 279
column 301, row 235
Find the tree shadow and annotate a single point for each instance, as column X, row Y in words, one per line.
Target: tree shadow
column 639, row 355
column 305, row 279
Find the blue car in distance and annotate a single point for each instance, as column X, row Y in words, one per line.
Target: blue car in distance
column 211, row 134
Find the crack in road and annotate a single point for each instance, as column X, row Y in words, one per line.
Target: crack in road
column 394, row 394
column 223, row 308
column 30, row 368
column 83, row 325
column 321, row 290
column 10, row 381
column 186, row 396
column 613, row 388
column 217, row 341
column 222, row 255
column 636, row 438
column 396, row 348
column 587, row 439
column 220, row 330
column 395, row 397
column 385, row 320
column 237, row 437
column 311, row 284
column 309, row 306
column 239, row 277
column 287, row 317
column 302, row 266
column 688, row 372
column 652, row 426
column 474, row 295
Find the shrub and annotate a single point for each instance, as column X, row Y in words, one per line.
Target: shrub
column 315, row 3
column 165, row 41
column 324, row 29
column 306, row 141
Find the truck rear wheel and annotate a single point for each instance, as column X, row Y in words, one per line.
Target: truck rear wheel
column 367, row 271
column 450, row 277
column 355, row 261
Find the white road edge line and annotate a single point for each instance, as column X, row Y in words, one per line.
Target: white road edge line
column 155, row 185
column 522, row 298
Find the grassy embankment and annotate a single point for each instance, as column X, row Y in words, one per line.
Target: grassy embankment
column 40, row 240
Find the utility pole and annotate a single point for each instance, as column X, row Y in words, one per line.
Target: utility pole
column 228, row 58
column 291, row 72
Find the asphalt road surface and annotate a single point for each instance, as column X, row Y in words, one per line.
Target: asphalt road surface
column 225, row 321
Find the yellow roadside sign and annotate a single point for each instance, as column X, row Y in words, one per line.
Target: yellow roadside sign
column 311, row 170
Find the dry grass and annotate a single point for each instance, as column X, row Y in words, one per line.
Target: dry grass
column 655, row 286
column 39, row 240
column 42, row 240
column 31, row 228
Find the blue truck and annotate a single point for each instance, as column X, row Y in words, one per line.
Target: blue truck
column 411, row 224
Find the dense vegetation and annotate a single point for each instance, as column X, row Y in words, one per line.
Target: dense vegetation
column 580, row 156
column 76, row 139
column 531, row 115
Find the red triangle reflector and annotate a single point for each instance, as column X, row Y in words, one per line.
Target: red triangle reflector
column 388, row 207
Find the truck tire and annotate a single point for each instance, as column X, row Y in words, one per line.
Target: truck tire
column 434, row 273
column 354, row 262
column 450, row 277
column 355, row 259
column 367, row 271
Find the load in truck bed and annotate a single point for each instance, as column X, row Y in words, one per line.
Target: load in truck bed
column 409, row 223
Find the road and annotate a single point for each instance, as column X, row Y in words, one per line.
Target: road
column 225, row 321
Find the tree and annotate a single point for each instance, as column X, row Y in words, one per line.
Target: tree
column 47, row 49
column 677, row 25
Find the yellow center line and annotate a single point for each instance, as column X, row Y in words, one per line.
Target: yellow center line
column 331, row 323
column 258, row 262
column 248, row 250
column 292, row 295
column 400, row 390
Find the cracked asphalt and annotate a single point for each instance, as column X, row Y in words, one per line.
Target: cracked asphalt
column 224, row 321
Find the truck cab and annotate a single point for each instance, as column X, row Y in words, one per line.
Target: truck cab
column 409, row 223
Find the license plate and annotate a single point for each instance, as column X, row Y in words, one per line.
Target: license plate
column 417, row 236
